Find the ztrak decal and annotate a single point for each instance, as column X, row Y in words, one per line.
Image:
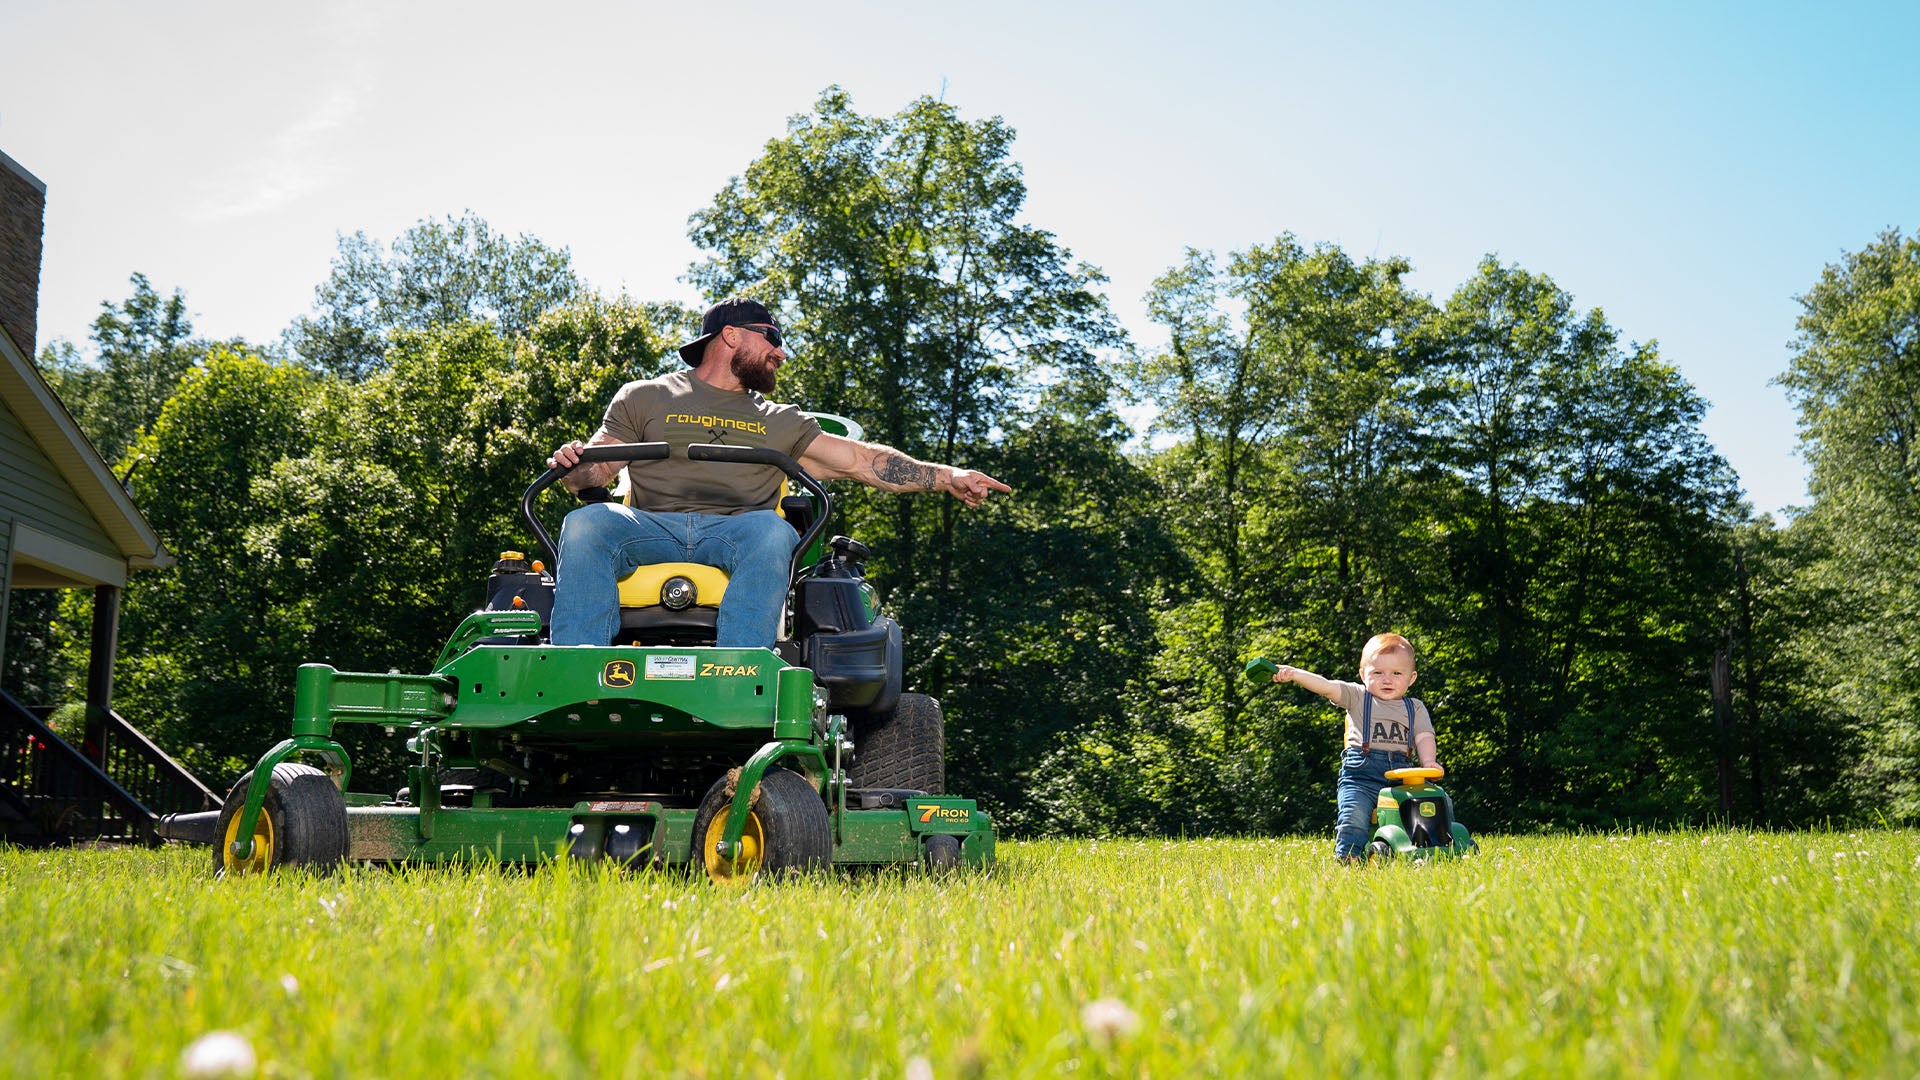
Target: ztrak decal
column 617, row 673
column 710, row 670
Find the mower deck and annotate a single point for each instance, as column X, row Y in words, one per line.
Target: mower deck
column 639, row 833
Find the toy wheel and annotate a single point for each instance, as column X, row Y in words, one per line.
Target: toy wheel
column 1380, row 851
column 905, row 749
column 787, row 829
column 942, row 852
column 302, row 823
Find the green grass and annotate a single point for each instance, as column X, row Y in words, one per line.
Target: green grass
column 1711, row 954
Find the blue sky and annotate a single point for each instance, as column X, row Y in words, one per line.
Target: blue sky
column 1686, row 168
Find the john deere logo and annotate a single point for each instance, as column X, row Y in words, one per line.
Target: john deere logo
column 1426, row 809
column 618, row 673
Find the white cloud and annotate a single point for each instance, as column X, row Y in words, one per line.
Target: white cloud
column 295, row 162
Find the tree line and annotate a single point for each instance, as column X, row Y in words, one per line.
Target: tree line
column 1609, row 634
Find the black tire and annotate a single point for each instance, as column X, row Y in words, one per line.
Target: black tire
column 942, row 852
column 1380, row 851
column 303, row 823
column 787, row 829
column 905, row 749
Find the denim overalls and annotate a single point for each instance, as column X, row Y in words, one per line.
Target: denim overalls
column 1363, row 772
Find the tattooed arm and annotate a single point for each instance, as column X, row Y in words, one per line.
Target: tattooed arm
column 833, row 457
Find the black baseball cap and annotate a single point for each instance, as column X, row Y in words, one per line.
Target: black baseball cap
column 734, row 312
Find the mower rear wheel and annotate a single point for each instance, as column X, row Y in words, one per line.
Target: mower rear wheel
column 302, row 823
column 787, row 829
column 905, row 749
column 1380, row 851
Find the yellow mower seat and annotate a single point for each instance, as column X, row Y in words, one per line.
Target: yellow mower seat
column 644, row 616
column 642, row 587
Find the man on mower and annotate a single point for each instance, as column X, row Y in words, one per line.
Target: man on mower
column 713, row 513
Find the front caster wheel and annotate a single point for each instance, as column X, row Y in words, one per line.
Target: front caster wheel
column 302, row 823
column 787, row 829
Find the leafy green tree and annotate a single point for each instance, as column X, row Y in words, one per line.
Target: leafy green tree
column 1216, row 386
column 1570, row 476
column 1058, row 628
column 142, row 348
column 923, row 306
column 1855, row 377
column 1800, row 748
column 436, row 274
column 205, row 665
column 1284, row 380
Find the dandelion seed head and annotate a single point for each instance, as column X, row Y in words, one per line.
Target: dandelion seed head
column 1108, row 1019
column 218, row 1053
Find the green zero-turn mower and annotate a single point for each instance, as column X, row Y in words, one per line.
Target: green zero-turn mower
column 657, row 749
column 1413, row 817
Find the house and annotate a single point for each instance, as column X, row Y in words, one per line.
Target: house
column 65, row 523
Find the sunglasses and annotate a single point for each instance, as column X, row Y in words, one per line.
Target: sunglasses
column 771, row 333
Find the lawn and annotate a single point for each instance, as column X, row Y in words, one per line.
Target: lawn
column 1714, row 953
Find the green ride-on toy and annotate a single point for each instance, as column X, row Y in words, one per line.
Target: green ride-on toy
column 1412, row 819
column 655, row 749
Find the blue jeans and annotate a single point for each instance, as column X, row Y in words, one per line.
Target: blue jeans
column 1361, row 778
column 600, row 543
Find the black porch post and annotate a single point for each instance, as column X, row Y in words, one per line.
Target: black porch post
column 106, row 641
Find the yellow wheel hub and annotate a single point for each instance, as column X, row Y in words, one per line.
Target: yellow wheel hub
column 262, row 856
column 740, row 869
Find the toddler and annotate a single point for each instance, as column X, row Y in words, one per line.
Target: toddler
column 1385, row 729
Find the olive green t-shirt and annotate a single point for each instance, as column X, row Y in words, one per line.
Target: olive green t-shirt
column 680, row 410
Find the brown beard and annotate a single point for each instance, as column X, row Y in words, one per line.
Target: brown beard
column 755, row 375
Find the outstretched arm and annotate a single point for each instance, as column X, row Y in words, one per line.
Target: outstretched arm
column 1326, row 688
column 835, row 457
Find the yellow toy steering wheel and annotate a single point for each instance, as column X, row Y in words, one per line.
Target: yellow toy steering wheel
column 1413, row 776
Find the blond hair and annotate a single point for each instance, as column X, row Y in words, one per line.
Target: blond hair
column 1386, row 643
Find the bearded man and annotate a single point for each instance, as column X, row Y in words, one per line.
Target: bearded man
column 713, row 513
